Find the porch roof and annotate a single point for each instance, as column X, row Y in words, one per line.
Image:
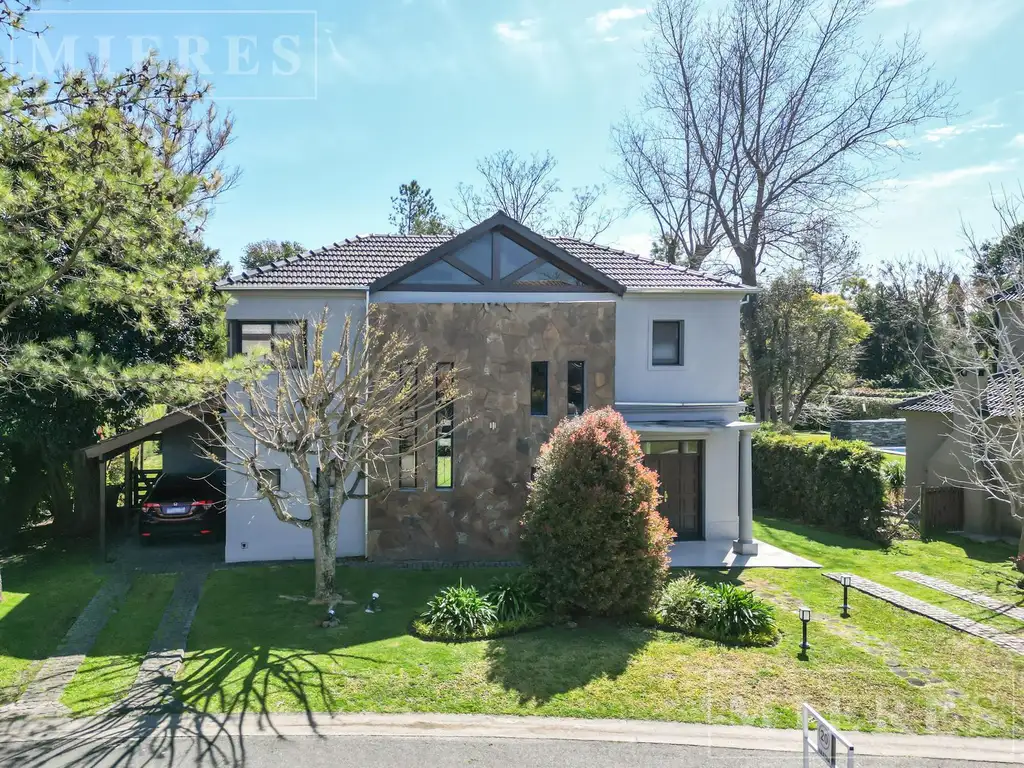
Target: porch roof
column 118, row 444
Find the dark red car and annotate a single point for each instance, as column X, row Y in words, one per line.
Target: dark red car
column 180, row 506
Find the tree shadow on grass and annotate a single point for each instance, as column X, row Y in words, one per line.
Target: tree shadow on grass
column 820, row 535
column 541, row 665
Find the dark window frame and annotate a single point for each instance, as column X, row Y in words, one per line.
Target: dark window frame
column 445, row 425
column 582, row 367
column 274, row 472
column 678, row 361
column 406, row 447
column 237, row 336
column 535, row 367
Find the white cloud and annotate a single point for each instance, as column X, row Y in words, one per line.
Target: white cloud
column 605, row 20
column 941, row 135
column 896, row 143
column 514, row 32
column 634, row 242
column 1017, row 141
column 943, row 179
column 957, row 25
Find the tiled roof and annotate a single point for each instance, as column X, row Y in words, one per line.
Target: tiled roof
column 1013, row 293
column 1003, row 396
column 362, row 260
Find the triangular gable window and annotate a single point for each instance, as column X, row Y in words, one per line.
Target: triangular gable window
column 545, row 276
column 439, row 273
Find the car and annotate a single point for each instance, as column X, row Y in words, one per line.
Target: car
column 180, row 506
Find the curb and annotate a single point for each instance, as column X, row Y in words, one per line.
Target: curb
column 254, row 725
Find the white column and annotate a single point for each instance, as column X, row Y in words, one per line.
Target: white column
column 745, row 544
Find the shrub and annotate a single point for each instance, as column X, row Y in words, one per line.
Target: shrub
column 834, row 482
column 895, row 475
column 591, row 533
column 684, row 604
column 513, row 597
column 738, row 614
column 459, row 612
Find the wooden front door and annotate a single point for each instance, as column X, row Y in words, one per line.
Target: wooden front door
column 679, row 466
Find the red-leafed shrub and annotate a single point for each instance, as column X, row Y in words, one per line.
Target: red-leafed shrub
column 591, row 534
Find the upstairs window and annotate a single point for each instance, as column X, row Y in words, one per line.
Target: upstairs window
column 667, row 342
column 249, row 337
column 406, row 452
column 577, row 387
column 539, row 389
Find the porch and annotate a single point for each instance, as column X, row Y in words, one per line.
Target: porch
column 721, row 554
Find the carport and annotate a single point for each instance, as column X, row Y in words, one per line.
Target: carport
column 181, row 433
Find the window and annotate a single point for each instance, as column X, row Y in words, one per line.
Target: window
column 539, row 389
column 407, row 441
column 439, row 273
column 660, row 447
column 254, row 336
column 512, row 257
column 272, row 477
column 443, row 448
column 478, row 255
column 547, row 275
column 667, row 342
column 577, row 388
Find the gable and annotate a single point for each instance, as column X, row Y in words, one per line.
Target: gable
column 497, row 255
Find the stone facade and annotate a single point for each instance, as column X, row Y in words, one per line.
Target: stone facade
column 493, row 346
column 880, row 432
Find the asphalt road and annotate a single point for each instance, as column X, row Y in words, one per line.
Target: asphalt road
column 409, row 752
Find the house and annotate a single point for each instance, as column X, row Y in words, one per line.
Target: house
column 543, row 328
column 938, row 438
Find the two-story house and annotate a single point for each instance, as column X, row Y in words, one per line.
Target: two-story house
column 542, row 328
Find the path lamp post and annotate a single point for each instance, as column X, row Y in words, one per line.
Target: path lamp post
column 805, row 617
column 845, row 580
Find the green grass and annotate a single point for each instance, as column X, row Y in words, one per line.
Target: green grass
column 113, row 663
column 254, row 650
column 45, row 588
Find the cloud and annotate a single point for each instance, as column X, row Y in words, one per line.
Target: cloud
column 944, row 179
column 1017, row 141
column 515, row 32
column 957, row 25
column 634, row 242
column 605, row 20
column 941, row 135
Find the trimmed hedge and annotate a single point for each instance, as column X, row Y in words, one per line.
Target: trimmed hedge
column 834, row 483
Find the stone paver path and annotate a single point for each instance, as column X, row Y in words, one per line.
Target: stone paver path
column 42, row 696
column 152, row 687
column 1006, row 609
column 933, row 612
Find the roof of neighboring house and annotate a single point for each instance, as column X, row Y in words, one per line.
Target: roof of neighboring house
column 1013, row 293
column 1003, row 395
column 361, row 261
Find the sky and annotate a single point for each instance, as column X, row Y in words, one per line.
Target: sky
column 338, row 102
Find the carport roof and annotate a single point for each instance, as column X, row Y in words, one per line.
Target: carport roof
column 118, row 444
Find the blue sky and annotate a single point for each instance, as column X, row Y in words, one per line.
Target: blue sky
column 390, row 90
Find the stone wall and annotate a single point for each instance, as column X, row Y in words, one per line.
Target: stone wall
column 881, row 432
column 493, row 346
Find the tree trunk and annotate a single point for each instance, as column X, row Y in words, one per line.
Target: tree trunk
column 65, row 519
column 760, row 382
column 324, row 564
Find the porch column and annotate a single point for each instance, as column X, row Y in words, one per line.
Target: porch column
column 745, row 544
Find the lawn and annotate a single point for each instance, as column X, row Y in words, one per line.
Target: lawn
column 45, row 588
column 255, row 648
column 113, row 663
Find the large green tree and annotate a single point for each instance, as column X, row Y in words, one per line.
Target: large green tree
column 414, row 212
column 106, row 298
column 268, row 251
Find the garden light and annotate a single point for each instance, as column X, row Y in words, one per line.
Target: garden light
column 374, row 605
column 805, row 617
column 845, row 580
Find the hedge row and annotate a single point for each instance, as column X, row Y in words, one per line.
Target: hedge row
column 834, row 483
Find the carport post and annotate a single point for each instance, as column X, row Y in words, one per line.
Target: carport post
column 103, row 510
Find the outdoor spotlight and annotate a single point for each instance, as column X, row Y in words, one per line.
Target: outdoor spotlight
column 374, row 605
column 805, row 617
column 845, row 580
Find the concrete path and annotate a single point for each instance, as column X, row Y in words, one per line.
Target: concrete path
column 996, row 606
column 933, row 612
column 43, row 694
column 315, row 740
column 152, row 687
column 717, row 553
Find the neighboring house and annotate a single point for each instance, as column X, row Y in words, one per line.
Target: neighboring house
column 542, row 328
column 936, row 453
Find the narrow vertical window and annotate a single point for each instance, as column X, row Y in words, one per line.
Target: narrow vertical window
column 577, row 387
column 407, row 441
column 539, row 389
column 443, row 448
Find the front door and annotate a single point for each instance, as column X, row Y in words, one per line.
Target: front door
column 679, row 468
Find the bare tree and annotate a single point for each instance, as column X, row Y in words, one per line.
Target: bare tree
column 775, row 109
column 343, row 422
column 528, row 191
column 827, row 255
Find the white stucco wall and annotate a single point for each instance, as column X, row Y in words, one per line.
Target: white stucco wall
column 184, row 448
column 710, row 372
column 253, row 531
